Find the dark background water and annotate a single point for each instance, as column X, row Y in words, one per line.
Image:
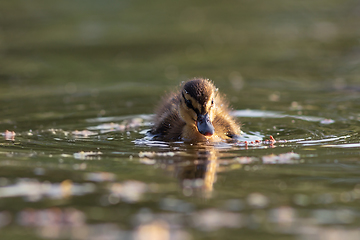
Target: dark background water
column 79, row 81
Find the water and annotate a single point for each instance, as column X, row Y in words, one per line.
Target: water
column 78, row 86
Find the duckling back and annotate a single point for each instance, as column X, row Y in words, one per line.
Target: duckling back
column 167, row 123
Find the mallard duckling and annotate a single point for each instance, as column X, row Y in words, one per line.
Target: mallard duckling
column 195, row 114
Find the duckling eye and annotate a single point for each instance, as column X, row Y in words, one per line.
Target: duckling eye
column 212, row 102
column 188, row 104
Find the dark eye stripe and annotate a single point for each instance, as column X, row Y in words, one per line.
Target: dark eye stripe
column 189, row 105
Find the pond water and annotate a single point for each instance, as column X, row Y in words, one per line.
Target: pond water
column 79, row 82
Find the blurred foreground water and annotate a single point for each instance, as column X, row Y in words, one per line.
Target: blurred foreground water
column 79, row 81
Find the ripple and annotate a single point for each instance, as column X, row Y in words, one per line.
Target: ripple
column 274, row 114
column 320, row 141
column 147, row 117
column 346, row 145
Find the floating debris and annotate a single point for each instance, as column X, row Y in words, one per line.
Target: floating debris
column 9, row 135
column 83, row 133
column 33, row 190
column 161, row 226
column 135, row 122
column 57, row 131
column 327, row 121
column 285, row 158
column 147, row 161
column 87, row 155
column 213, row 219
column 156, row 154
column 256, row 143
column 109, row 127
column 295, row 106
column 113, row 127
column 245, row 160
column 129, row 191
column 257, row 200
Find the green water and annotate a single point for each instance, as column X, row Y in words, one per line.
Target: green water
column 79, row 81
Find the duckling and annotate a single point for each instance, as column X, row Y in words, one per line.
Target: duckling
column 196, row 114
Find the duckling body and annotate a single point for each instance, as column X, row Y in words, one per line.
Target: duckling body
column 195, row 114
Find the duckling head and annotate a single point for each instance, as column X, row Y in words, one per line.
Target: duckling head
column 197, row 105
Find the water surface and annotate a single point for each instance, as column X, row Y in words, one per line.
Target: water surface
column 79, row 83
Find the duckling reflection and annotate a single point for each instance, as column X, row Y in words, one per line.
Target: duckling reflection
column 197, row 173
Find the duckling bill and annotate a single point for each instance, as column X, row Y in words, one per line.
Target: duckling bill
column 196, row 113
